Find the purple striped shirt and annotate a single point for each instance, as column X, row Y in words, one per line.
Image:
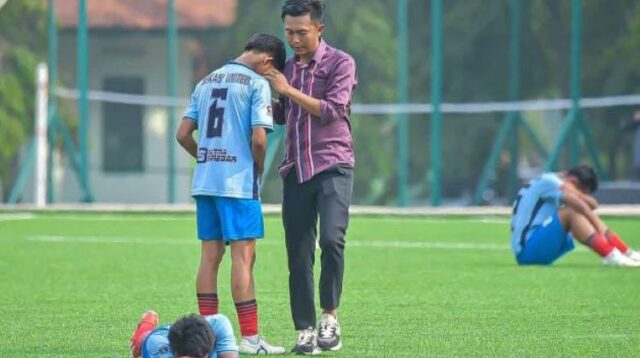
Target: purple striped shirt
column 315, row 144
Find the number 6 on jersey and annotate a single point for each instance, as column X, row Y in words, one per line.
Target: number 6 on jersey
column 216, row 114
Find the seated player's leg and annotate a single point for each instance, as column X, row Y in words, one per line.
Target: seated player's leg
column 584, row 231
column 148, row 322
column 212, row 250
column 242, row 224
column 579, row 226
column 615, row 240
column 546, row 244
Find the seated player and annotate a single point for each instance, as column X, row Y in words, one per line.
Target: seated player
column 556, row 207
column 191, row 336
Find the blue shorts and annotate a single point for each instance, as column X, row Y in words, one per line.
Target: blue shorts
column 546, row 244
column 228, row 219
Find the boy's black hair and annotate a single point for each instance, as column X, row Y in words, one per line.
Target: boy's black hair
column 192, row 336
column 315, row 9
column 268, row 44
column 587, row 177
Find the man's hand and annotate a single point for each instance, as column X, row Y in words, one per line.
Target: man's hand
column 282, row 86
column 278, row 81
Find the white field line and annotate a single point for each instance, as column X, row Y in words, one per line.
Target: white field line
column 101, row 217
column 384, row 244
column 17, row 217
column 159, row 218
column 107, row 240
column 417, row 212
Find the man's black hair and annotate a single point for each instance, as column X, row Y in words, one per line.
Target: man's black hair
column 295, row 8
column 192, row 336
column 587, row 177
column 268, row 44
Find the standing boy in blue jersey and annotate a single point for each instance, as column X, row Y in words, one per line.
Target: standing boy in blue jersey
column 189, row 336
column 556, row 207
column 231, row 108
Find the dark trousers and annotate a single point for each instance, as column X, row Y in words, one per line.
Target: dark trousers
column 327, row 196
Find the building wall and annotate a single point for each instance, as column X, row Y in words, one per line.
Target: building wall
column 128, row 54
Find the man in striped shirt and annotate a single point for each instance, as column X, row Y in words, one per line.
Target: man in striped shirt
column 555, row 208
column 315, row 104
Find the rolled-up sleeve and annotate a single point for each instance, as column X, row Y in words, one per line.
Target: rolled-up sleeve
column 340, row 85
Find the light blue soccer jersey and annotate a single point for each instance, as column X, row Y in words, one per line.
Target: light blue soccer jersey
column 157, row 343
column 536, row 202
column 226, row 105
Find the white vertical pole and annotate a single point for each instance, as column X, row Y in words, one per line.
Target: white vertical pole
column 41, row 134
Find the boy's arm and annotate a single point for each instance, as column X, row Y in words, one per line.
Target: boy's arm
column 259, row 147
column 590, row 200
column 579, row 205
column 185, row 136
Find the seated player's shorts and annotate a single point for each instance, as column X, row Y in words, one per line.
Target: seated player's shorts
column 546, row 244
column 228, row 219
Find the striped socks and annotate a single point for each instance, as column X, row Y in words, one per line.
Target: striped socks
column 247, row 312
column 207, row 303
column 599, row 243
column 248, row 318
column 615, row 241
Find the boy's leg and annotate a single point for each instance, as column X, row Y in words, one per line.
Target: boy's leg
column 243, row 258
column 584, row 231
column 622, row 246
column 148, row 322
column 242, row 224
column 207, row 279
column 212, row 250
column 242, row 286
column 614, row 240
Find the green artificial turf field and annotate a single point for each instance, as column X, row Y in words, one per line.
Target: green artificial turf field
column 75, row 284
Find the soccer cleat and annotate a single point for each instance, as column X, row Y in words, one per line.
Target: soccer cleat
column 616, row 258
column 256, row 346
column 329, row 333
column 148, row 322
column 634, row 255
column 307, row 343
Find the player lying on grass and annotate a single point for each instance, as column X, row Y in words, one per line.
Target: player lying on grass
column 556, row 207
column 191, row 336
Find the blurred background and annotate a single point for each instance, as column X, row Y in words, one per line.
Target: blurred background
column 458, row 102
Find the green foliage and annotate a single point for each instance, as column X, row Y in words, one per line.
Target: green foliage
column 351, row 29
column 74, row 285
column 476, row 62
column 22, row 46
